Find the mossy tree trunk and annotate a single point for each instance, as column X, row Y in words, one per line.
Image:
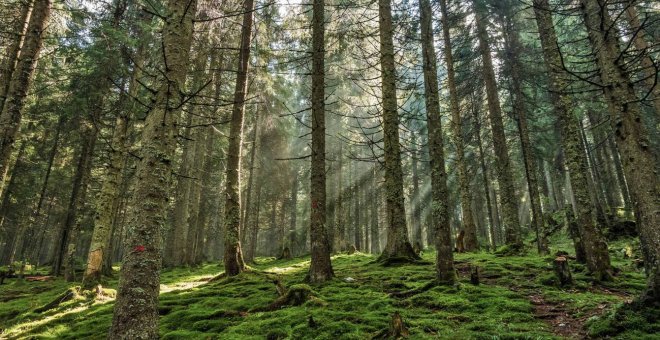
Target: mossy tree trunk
column 320, row 269
column 12, row 110
column 515, row 69
column 508, row 197
column 470, row 242
column 233, row 259
column 106, row 203
column 136, row 307
column 398, row 246
column 444, row 265
column 8, row 65
column 597, row 256
column 638, row 157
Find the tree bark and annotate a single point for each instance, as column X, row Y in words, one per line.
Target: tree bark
column 639, row 159
column 515, row 67
column 470, row 242
column 136, row 307
column 444, row 265
column 508, row 197
column 398, row 245
column 598, row 260
column 12, row 110
column 233, row 259
column 13, row 48
column 320, row 269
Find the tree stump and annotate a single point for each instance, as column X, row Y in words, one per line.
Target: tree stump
column 562, row 271
column 475, row 274
column 351, row 249
column 459, row 242
column 286, row 254
column 397, row 327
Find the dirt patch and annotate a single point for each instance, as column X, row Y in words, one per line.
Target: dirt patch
column 558, row 317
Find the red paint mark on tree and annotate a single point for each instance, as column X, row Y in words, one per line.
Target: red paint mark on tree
column 315, row 204
column 140, row 248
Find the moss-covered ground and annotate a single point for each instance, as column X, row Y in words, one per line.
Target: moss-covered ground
column 516, row 299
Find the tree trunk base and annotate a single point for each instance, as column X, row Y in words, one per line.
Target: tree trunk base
column 562, row 271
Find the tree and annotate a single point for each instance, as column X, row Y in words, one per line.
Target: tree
column 398, row 246
column 470, row 241
column 320, row 269
column 136, row 307
column 508, row 197
column 597, row 259
column 12, row 110
column 233, row 258
column 639, row 159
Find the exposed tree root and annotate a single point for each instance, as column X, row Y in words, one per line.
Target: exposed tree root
column 296, row 295
column 411, row 292
column 70, row 294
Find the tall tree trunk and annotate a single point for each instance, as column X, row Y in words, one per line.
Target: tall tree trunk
column 339, row 231
column 508, row 197
column 106, row 207
column 416, row 200
column 320, row 269
column 13, row 48
column 444, row 264
column 515, row 67
column 375, row 194
column 233, row 259
column 136, row 308
column 470, row 241
column 12, row 110
column 251, row 173
column 598, row 260
column 639, row 159
column 398, row 245
column 492, row 205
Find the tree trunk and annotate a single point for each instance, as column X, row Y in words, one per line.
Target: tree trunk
column 397, row 245
column 649, row 69
column 470, row 241
column 515, row 67
column 598, row 260
column 339, row 240
column 375, row 232
column 508, row 197
column 444, row 265
column 13, row 48
column 491, row 204
column 136, row 307
column 320, row 269
column 233, row 259
column 12, row 110
column 106, row 204
column 639, row 159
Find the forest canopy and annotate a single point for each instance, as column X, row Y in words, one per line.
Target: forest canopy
column 323, row 169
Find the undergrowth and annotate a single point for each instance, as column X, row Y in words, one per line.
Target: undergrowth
column 357, row 304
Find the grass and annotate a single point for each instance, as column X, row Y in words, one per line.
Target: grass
column 357, row 308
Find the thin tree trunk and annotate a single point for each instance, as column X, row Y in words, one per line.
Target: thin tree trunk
column 415, row 206
column 13, row 48
column 136, row 307
column 515, row 68
column 233, row 259
column 508, row 197
column 12, row 110
column 375, row 194
column 470, row 241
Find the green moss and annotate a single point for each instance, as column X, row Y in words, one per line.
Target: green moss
column 500, row 307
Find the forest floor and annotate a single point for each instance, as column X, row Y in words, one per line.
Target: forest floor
column 516, row 299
